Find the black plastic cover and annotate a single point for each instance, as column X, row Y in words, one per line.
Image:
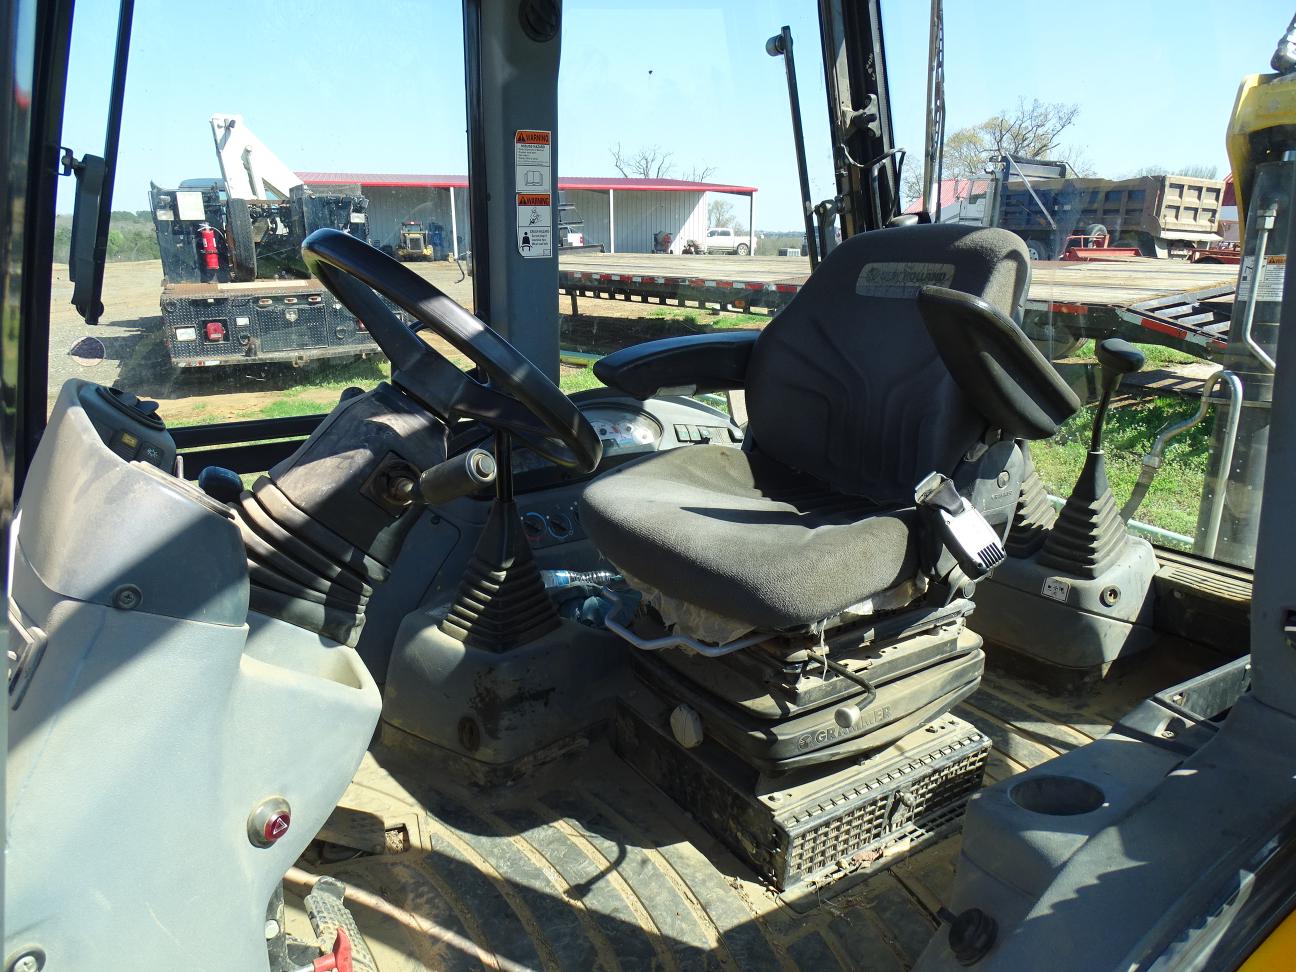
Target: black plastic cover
column 702, row 362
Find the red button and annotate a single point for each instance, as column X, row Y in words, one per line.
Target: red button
column 276, row 826
column 215, row 331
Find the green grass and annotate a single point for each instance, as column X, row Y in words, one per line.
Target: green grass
column 1154, row 353
column 708, row 319
column 325, row 374
column 293, row 405
column 1173, row 499
column 578, row 380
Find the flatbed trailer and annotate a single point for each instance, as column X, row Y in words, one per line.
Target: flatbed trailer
column 1072, row 300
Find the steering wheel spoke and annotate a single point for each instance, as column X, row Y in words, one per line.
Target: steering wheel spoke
column 520, row 398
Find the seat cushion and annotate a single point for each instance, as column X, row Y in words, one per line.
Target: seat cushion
column 746, row 538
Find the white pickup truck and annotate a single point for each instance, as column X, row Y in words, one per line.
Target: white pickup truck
column 722, row 239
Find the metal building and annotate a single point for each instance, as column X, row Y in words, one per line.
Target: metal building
column 623, row 214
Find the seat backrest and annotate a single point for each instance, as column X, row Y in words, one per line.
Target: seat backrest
column 845, row 384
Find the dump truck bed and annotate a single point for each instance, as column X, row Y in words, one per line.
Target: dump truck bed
column 586, row 865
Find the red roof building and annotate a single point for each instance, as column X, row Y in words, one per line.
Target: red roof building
column 624, row 214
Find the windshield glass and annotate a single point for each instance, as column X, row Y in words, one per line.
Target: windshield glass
column 231, row 154
column 693, row 218
column 681, row 211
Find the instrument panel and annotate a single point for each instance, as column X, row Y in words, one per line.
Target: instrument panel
column 623, row 430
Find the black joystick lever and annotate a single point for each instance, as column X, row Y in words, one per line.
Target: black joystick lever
column 1117, row 359
column 1089, row 533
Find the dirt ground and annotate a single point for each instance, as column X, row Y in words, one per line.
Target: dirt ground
column 126, row 349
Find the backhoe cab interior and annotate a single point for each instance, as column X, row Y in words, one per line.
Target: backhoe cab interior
column 470, row 672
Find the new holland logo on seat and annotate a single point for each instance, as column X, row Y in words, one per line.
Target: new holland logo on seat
column 902, row 280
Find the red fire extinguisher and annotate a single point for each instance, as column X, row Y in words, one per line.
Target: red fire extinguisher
column 207, row 247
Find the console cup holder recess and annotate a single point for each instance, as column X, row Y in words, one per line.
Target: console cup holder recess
column 1057, row 796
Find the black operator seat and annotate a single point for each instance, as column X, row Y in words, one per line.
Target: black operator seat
column 898, row 358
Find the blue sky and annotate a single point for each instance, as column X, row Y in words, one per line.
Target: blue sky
column 378, row 86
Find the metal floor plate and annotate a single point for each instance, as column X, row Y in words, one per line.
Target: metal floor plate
column 587, row 866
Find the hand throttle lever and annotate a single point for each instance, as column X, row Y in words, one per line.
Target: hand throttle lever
column 457, row 476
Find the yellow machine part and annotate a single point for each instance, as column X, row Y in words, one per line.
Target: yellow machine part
column 1263, row 101
column 1277, row 953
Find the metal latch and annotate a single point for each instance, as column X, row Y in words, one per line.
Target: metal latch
column 962, row 528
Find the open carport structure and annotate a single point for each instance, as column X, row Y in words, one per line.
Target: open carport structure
column 624, row 214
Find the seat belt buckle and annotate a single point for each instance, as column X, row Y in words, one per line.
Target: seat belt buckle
column 962, row 528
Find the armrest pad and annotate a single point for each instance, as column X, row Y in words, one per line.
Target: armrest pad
column 1002, row 374
column 697, row 362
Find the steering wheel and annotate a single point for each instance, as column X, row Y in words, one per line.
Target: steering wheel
column 518, row 399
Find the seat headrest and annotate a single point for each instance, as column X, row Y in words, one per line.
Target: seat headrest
column 845, row 383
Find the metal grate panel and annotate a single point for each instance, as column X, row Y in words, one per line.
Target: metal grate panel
column 889, row 814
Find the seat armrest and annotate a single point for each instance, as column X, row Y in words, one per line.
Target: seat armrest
column 680, row 365
column 1002, row 374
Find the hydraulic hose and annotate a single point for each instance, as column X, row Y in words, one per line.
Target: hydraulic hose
column 1152, row 461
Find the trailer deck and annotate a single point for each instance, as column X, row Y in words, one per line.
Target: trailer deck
column 1086, row 297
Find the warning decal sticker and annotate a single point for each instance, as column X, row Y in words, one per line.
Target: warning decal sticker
column 1270, row 287
column 535, row 224
column 533, row 182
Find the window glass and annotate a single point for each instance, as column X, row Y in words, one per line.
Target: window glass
column 1075, row 131
column 236, row 143
column 680, row 212
column 688, row 189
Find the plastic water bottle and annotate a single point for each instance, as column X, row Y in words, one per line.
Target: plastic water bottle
column 554, row 579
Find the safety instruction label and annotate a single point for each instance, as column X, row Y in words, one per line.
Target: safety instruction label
column 533, row 177
column 901, row 280
column 533, row 161
column 1270, row 286
column 535, row 224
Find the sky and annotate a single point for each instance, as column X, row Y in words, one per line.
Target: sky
column 378, row 86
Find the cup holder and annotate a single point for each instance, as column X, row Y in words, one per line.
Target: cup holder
column 1057, row 796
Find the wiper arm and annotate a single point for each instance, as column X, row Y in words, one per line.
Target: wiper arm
column 94, row 176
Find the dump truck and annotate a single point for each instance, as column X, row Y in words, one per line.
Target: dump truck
column 1054, row 210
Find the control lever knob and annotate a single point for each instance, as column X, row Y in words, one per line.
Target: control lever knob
column 458, row 476
column 221, row 484
column 1117, row 359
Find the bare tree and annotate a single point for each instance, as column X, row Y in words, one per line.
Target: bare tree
column 649, row 162
column 720, row 213
column 652, row 162
column 1031, row 131
column 1191, row 171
